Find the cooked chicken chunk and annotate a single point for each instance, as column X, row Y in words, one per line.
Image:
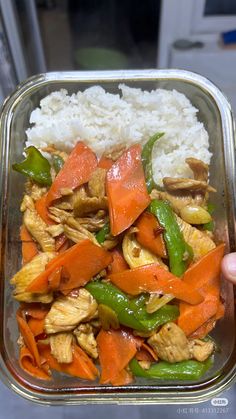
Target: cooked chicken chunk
column 85, row 338
column 26, row 275
column 200, row 242
column 68, row 311
column 61, row 347
column 92, row 224
column 36, row 226
column 170, row 343
column 191, row 185
column 86, row 205
column 34, row 190
column 76, row 232
column 199, row 168
column 115, row 153
column 201, row 350
column 58, row 215
column 136, row 255
column 55, row 230
column 96, row 184
column 176, row 200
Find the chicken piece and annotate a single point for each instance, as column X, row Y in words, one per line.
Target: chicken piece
column 200, row 242
column 201, row 350
column 55, row 230
column 110, row 242
column 170, row 343
column 26, row 275
column 86, row 205
column 96, row 184
column 136, row 255
column 38, row 230
column 34, row 190
column 76, row 232
column 27, row 203
column 85, row 338
column 177, row 200
column 199, row 168
column 58, row 215
column 61, row 347
column 92, row 224
column 68, row 311
column 191, row 185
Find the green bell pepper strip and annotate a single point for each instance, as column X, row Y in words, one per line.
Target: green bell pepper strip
column 101, row 234
column 35, row 166
column 131, row 312
column 184, row 370
column 58, row 163
column 179, row 252
column 147, row 160
column 210, row 225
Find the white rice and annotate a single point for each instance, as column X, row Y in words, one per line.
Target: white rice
column 105, row 121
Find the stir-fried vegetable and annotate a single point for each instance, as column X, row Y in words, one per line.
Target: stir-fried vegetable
column 147, row 160
column 131, row 312
column 178, row 252
column 184, row 370
column 107, row 275
column 35, row 166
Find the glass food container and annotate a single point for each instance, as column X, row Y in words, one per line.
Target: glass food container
column 215, row 113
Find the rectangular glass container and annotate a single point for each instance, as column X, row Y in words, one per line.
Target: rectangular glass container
column 216, row 115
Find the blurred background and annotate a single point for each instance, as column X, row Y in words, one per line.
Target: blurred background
column 53, row 35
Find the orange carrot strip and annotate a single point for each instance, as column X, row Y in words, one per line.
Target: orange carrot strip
column 149, row 234
column 76, row 171
column 118, row 263
column 116, row 348
column 35, row 310
column 28, row 337
column 126, row 190
column 36, row 326
column 204, row 275
column 81, row 366
column 29, row 247
column 122, row 379
column 154, row 278
column 80, row 263
column 105, row 163
column 205, row 329
column 206, row 268
column 150, row 351
column 143, row 355
column 54, row 279
column 192, row 317
column 42, row 210
column 27, row 364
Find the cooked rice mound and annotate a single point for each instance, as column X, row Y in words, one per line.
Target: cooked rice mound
column 106, row 121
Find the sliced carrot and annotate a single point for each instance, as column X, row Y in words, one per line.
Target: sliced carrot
column 54, row 279
column 42, row 210
column 204, row 276
column 123, row 378
column 150, row 234
column 192, row 317
column 105, row 163
column 36, row 326
column 29, row 247
column 35, row 310
column 28, row 338
column 76, row 171
column 116, row 348
column 154, row 278
column 206, row 268
column 27, row 364
column 118, row 263
column 126, row 190
column 80, row 263
column 206, row 328
column 150, row 351
column 81, row 366
column 61, row 243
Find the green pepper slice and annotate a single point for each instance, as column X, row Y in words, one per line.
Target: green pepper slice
column 184, row 370
column 147, row 160
column 131, row 312
column 179, row 251
column 101, row 234
column 58, row 163
column 35, row 166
